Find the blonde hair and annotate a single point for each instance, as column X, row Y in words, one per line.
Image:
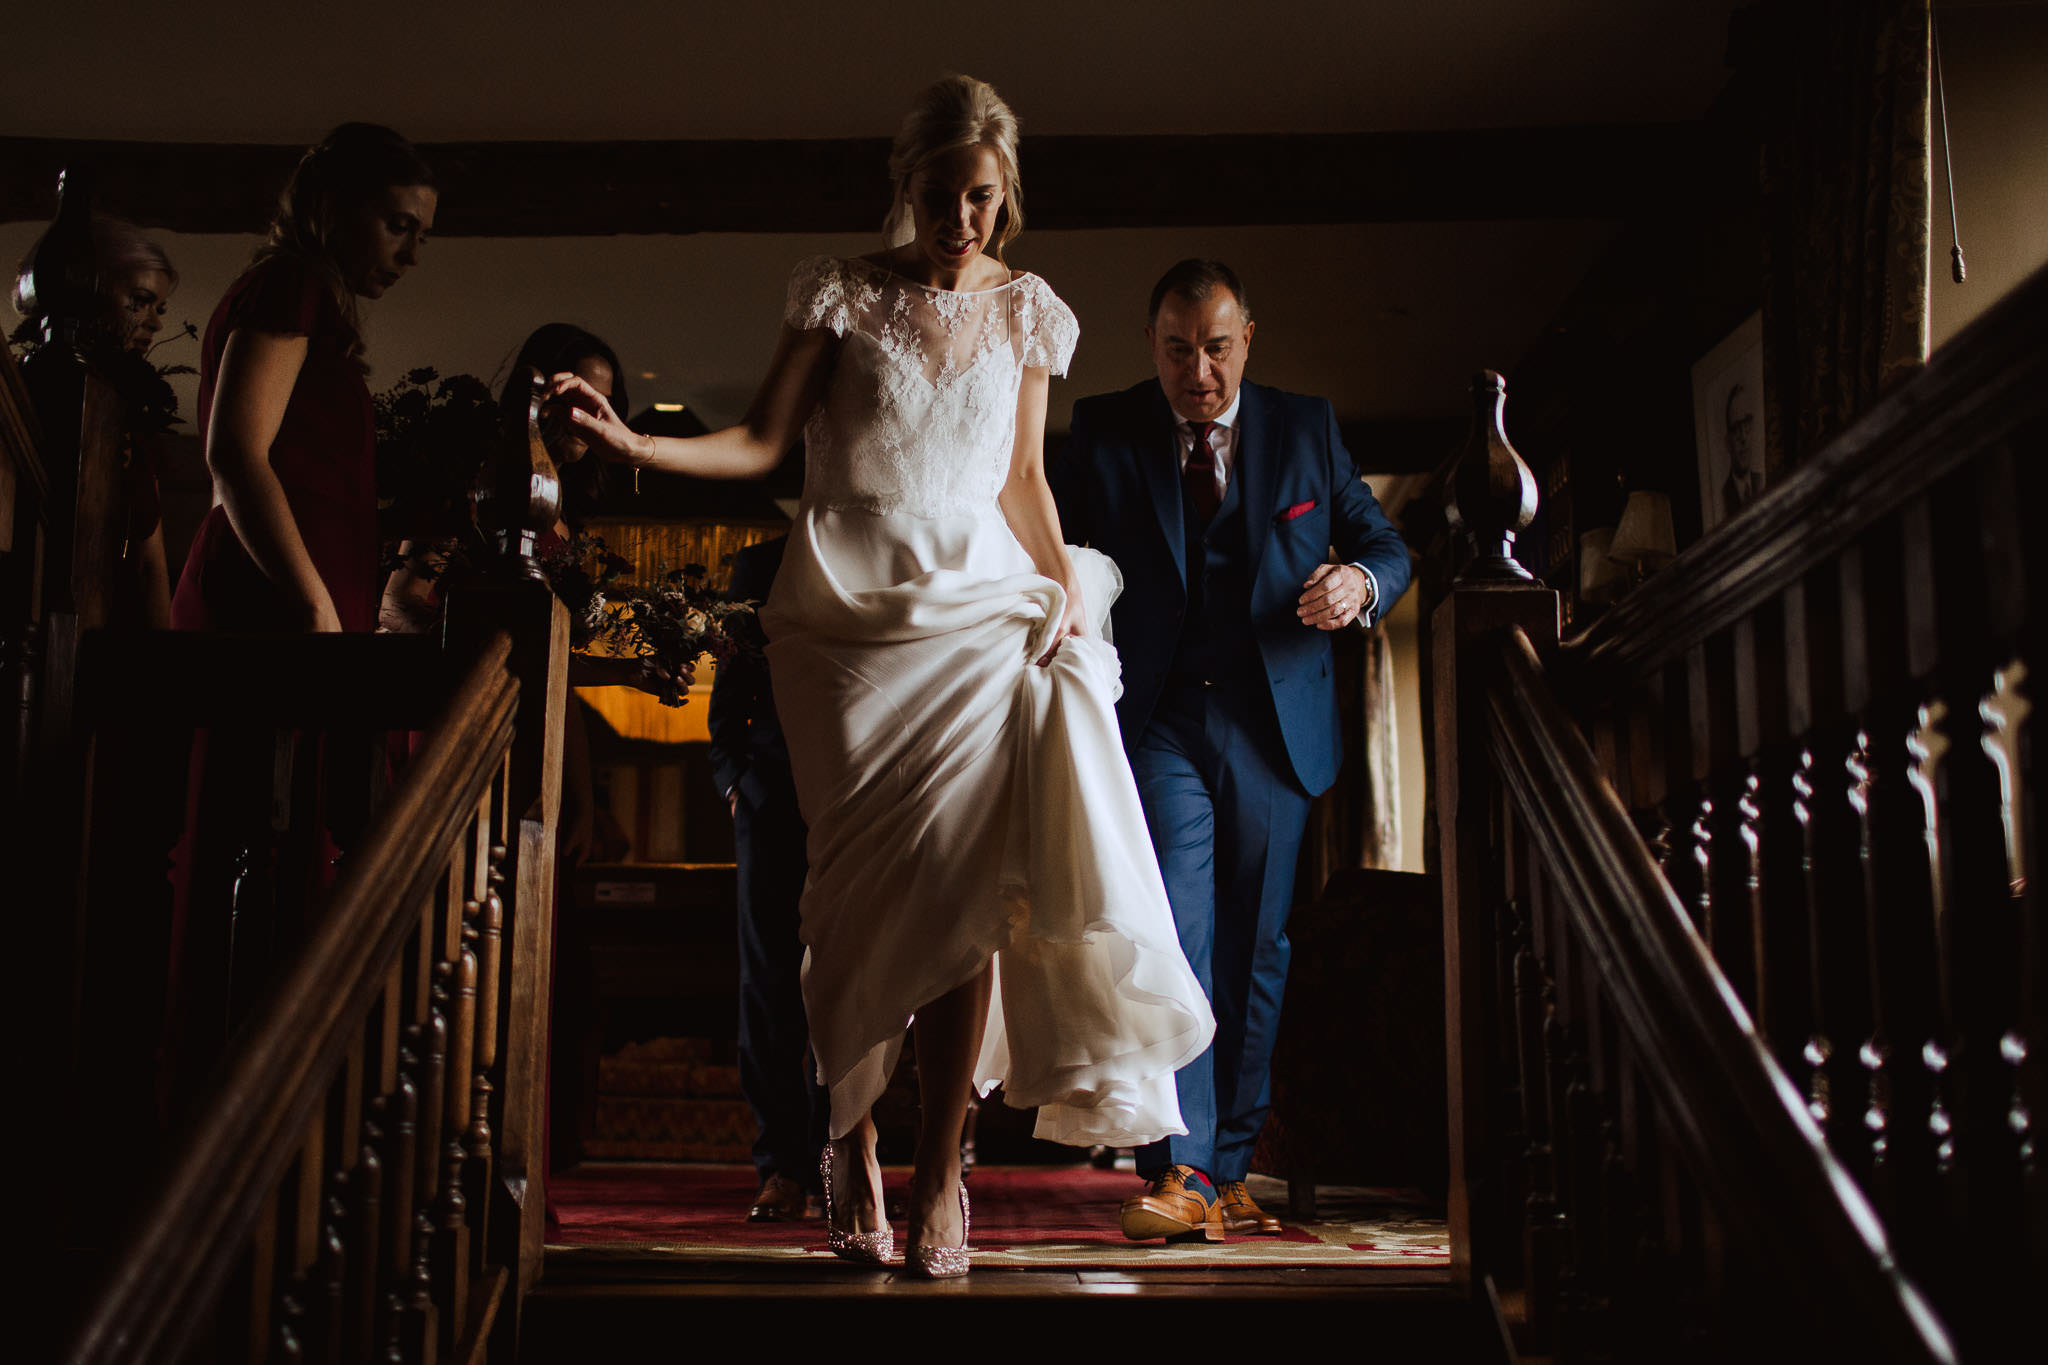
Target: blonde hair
column 949, row 114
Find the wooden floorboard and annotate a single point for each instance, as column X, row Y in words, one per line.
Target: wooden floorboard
column 613, row 1312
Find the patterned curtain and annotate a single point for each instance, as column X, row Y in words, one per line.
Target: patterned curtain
column 1845, row 175
column 656, row 547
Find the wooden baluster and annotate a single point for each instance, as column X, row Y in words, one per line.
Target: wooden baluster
column 296, row 1305
column 1730, row 878
column 366, row 1238
column 260, row 1300
column 1682, row 795
column 1589, row 1289
column 1539, row 1205
column 477, row 1138
column 1774, row 828
column 2024, row 1048
column 1831, row 782
column 330, row 1274
column 1564, row 1062
column 1557, row 1239
column 421, row 1316
column 1900, row 914
column 451, row 1208
column 433, row 1089
column 400, row 1199
column 1980, row 605
column 1649, row 785
column 420, row 1338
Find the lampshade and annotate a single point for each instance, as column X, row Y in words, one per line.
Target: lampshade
column 1601, row 579
column 1645, row 537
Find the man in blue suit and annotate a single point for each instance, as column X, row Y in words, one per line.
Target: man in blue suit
column 750, row 763
column 1221, row 501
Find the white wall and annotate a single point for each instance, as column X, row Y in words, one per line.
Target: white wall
column 1996, row 63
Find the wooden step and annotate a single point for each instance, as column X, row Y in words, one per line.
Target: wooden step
column 593, row 1312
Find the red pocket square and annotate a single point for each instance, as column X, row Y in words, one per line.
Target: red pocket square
column 1300, row 509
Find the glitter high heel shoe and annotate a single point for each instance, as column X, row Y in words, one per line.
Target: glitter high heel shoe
column 940, row 1263
column 867, row 1248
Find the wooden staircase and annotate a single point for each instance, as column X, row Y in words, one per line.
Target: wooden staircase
column 1744, row 933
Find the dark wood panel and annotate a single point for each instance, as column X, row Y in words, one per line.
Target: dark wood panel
column 539, row 189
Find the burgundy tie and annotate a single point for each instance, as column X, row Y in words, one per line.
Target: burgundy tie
column 1198, row 475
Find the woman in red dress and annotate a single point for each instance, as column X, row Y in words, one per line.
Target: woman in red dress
column 291, row 542
column 289, row 546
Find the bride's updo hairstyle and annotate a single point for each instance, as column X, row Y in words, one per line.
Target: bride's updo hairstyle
column 956, row 112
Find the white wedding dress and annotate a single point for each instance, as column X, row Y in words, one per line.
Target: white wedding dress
column 963, row 803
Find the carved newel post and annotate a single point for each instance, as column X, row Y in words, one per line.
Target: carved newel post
column 1492, row 494
column 519, row 494
column 59, row 282
column 1491, row 498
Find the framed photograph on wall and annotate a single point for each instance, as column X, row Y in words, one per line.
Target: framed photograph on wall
column 1728, row 422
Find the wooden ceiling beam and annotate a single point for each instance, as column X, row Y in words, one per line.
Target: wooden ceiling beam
column 574, row 189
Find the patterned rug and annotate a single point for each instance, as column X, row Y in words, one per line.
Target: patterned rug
column 1024, row 1217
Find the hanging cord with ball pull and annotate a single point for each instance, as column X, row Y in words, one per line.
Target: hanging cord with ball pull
column 1955, row 249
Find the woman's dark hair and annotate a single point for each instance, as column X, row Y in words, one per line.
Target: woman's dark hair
column 551, row 349
column 348, row 168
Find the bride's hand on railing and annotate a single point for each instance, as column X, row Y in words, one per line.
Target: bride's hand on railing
column 590, row 412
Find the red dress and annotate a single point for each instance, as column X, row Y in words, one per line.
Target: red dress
column 324, row 456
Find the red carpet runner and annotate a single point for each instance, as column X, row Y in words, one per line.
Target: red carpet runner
column 1023, row 1215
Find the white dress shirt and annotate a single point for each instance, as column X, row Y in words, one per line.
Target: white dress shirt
column 1223, row 449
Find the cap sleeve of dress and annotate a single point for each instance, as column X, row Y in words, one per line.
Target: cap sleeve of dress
column 281, row 295
column 817, row 296
column 1050, row 329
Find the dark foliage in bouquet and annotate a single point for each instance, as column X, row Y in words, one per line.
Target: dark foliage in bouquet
column 144, row 385
column 672, row 622
column 433, row 437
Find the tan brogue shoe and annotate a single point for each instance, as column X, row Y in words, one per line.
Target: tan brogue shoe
column 781, row 1200
column 1179, row 1204
column 1241, row 1212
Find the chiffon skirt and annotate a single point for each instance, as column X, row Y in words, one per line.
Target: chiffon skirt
column 966, row 805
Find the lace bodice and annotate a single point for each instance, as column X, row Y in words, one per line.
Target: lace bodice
column 920, row 413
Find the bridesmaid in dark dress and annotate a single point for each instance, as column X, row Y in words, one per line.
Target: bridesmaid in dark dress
column 290, row 546
column 291, row 542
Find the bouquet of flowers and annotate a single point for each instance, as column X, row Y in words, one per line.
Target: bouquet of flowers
column 670, row 623
column 433, row 438
column 144, row 384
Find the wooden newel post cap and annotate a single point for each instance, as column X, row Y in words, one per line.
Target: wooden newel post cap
column 58, row 286
column 1492, row 493
column 520, row 494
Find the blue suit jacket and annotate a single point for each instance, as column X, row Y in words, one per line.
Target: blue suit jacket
column 1118, row 489
column 746, row 735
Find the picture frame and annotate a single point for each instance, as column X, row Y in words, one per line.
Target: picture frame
column 1728, row 423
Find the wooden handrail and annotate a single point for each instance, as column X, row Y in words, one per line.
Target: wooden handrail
column 1991, row 380
column 181, row 1252
column 1738, row 1121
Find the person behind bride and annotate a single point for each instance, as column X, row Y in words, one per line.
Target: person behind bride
column 1221, row 499
column 979, row 867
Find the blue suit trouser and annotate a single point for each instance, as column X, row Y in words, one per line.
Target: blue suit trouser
column 1227, row 814
column 791, row 1109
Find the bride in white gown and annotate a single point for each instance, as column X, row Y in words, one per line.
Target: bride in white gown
column 979, row 860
